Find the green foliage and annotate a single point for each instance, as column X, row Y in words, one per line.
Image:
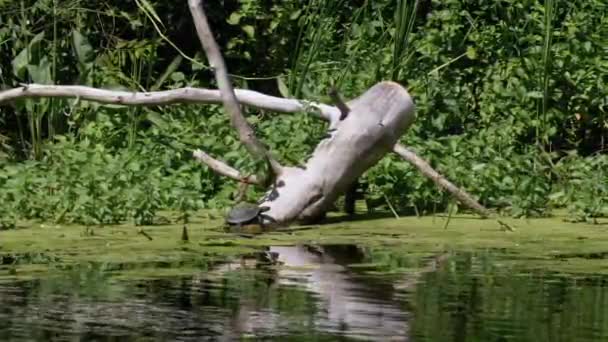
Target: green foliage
column 584, row 186
column 497, row 105
column 510, row 95
column 83, row 182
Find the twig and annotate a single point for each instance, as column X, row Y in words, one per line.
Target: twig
column 505, row 226
column 185, row 237
column 447, row 221
column 142, row 232
column 391, row 206
column 244, row 130
column 224, row 169
column 439, row 180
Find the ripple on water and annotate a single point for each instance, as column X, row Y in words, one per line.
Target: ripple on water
column 313, row 294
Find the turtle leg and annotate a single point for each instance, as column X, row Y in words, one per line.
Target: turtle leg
column 267, row 218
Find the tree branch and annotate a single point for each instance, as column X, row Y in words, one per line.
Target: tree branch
column 156, row 98
column 246, row 97
column 224, row 169
column 245, row 132
column 439, row 180
column 212, row 96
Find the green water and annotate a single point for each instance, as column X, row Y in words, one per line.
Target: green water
column 331, row 293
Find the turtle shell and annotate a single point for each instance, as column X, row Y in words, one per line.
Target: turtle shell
column 243, row 213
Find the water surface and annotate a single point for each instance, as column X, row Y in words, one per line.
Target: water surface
column 333, row 293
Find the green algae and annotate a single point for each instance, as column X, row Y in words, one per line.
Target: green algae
column 546, row 243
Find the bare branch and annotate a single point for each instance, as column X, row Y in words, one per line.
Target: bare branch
column 439, row 180
column 212, row 96
column 223, row 169
column 155, row 98
column 245, row 132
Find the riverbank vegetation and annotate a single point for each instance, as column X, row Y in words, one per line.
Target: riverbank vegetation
column 511, row 102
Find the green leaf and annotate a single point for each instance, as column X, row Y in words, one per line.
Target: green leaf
column 249, row 30
column 234, row 18
column 478, row 167
column 168, row 72
column 20, row 63
column 83, row 48
column 24, row 57
column 145, row 6
column 283, row 89
column 295, row 15
column 471, row 53
column 557, row 195
column 41, row 73
column 156, row 119
column 535, row 94
column 178, row 76
column 37, row 39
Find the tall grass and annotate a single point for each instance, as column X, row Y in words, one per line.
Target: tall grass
column 53, row 109
column 405, row 16
column 548, row 22
column 318, row 23
column 33, row 115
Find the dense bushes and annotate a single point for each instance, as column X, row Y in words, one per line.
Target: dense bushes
column 511, row 99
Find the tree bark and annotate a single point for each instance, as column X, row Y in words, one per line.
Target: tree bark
column 376, row 121
column 156, row 98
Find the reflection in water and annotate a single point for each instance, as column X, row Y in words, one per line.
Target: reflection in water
column 475, row 299
column 312, row 293
column 346, row 304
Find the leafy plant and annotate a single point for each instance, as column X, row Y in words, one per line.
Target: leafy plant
column 510, row 97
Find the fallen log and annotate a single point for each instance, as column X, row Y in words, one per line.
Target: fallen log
column 373, row 126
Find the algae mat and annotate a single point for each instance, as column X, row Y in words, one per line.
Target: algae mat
column 35, row 249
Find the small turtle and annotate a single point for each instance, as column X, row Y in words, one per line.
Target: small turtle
column 245, row 214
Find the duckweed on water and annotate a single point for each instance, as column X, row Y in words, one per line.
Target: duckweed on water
column 536, row 243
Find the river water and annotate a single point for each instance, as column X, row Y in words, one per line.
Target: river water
column 312, row 293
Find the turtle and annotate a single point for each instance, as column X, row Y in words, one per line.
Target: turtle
column 246, row 214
